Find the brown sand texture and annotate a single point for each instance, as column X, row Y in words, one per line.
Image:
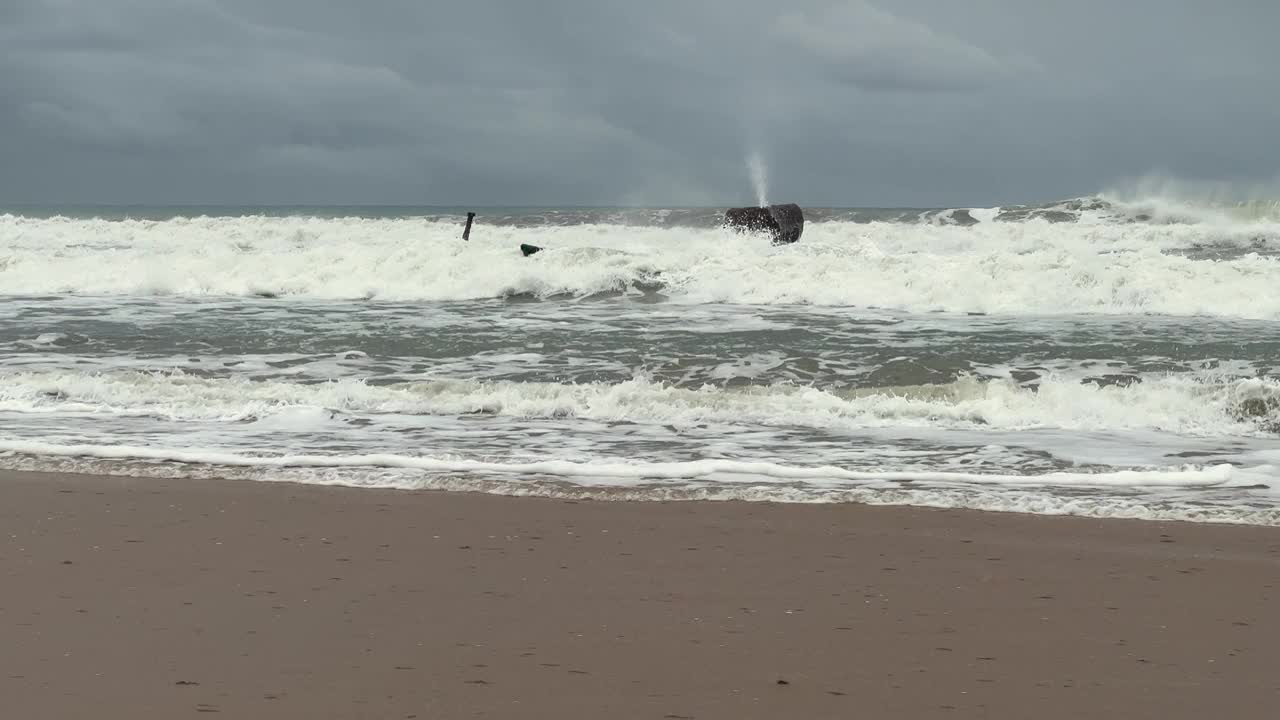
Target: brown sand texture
column 143, row 598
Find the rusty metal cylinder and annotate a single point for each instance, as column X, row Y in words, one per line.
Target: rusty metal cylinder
column 784, row 223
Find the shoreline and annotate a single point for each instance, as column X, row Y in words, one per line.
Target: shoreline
column 1008, row 501
column 143, row 597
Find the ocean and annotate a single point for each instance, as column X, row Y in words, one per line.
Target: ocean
column 1089, row 357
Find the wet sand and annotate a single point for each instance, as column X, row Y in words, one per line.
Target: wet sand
column 129, row 598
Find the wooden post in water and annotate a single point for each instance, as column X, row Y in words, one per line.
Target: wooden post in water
column 466, row 233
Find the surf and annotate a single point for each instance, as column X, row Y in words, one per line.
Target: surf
column 1029, row 267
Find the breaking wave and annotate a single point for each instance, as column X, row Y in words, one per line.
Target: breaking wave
column 1179, row 404
column 1014, row 261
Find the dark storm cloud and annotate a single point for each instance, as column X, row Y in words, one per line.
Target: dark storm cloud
column 582, row 102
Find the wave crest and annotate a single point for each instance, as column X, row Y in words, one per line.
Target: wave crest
column 1019, row 268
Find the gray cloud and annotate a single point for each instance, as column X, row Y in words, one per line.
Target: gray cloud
column 876, row 50
column 855, row 102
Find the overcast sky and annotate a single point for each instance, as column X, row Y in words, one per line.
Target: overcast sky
column 600, row 102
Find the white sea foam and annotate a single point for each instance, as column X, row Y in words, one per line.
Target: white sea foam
column 967, row 444
column 640, row 473
column 1163, row 494
column 1179, row 404
column 1180, row 200
column 1197, row 445
column 1032, row 267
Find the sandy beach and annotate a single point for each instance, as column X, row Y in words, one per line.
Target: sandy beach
column 143, row 598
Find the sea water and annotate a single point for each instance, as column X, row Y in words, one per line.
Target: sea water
column 1088, row 357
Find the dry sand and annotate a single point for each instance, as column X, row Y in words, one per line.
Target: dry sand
column 128, row 598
